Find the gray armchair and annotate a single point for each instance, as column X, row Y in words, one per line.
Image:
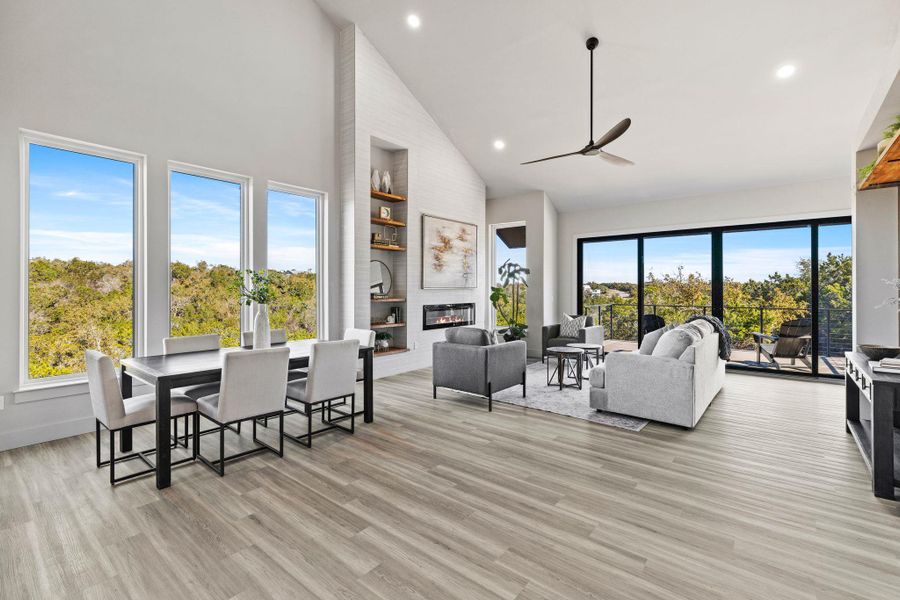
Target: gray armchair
column 470, row 361
column 590, row 334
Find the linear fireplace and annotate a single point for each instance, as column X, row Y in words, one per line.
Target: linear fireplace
column 440, row 316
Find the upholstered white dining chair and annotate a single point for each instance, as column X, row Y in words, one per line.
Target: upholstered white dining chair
column 116, row 413
column 332, row 376
column 366, row 337
column 193, row 343
column 253, row 386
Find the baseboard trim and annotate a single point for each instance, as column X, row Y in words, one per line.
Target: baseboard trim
column 45, row 433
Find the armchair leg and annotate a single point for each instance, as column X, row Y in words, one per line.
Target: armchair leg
column 490, row 399
column 523, row 384
column 434, row 392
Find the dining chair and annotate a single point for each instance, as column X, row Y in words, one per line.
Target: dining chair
column 366, row 337
column 253, row 386
column 332, row 376
column 193, row 343
column 279, row 336
column 115, row 413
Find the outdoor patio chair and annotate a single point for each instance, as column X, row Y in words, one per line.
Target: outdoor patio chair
column 793, row 341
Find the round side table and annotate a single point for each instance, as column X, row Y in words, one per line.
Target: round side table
column 568, row 366
column 593, row 354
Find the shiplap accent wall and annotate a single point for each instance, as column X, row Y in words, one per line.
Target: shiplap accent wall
column 375, row 103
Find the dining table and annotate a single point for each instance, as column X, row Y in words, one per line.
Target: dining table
column 169, row 371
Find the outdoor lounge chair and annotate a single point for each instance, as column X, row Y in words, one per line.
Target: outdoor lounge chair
column 793, row 341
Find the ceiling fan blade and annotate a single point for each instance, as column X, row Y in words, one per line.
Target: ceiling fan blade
column 531, row 162
column 614, row 133
column 615, row 160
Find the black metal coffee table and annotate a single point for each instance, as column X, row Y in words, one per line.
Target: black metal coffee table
column 593, row 354
column 568, row 366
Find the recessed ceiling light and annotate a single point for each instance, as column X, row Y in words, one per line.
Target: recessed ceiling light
column 499, row 144
column 785, row 71
column 413, row 21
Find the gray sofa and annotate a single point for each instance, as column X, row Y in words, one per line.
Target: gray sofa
column 470, row 361
column 660, row 388
column 589, row 334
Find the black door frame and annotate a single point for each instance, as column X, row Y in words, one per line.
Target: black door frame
column 717, row 273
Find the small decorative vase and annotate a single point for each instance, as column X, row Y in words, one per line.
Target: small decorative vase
column 386, row 182
column 376, row 180
column 262, row 335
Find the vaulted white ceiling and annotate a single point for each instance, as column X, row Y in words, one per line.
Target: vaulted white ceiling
column 696, row 77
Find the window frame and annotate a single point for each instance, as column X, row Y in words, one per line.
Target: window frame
column 492, row 280
column 28, row 137
column 246, row 227
column 717, row 279
column 322, row 294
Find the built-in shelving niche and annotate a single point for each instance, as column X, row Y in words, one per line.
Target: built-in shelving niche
column 385, row 155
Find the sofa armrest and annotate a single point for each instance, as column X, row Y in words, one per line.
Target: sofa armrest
column 460, row 367
column 651, row 387
column 506, row 364
column 591, row 335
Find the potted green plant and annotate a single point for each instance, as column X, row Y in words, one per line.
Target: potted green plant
column 506, row 298
column 383, row 341
column 257, row 287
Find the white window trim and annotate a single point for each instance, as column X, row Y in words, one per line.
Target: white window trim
column 246, row 252
column 139, row 316
column 490, row 312
column 322, row 292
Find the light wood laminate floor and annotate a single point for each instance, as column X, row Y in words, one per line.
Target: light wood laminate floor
column 767, row 498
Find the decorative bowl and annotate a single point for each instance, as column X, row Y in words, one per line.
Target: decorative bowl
column 876, row 352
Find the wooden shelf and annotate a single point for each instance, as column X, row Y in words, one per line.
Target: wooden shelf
column 388, row 299
column 385, row 325
column 385, row 247
column 390, row 351
column 387, row 197
column 380, row 221
column 886, row 172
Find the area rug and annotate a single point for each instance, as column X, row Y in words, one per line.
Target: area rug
column 570, row 402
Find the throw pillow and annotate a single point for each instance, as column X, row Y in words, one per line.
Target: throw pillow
column 689, row 355
column 570, row 326
column 673, row 343
column 705, row 327
column 693, row 331
column 651, row 339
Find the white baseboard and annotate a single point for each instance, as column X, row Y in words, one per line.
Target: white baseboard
column 46, row 433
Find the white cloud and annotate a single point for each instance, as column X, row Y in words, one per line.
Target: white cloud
column 215, row 250
column 298, row 258
column 102, row 246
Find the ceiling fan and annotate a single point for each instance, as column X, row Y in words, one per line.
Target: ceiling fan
column 595, row 148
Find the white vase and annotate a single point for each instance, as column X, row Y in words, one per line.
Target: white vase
column 262, row 335
column 386, row 182
column 376, row 180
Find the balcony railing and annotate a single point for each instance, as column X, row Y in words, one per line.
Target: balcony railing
column 835, row 324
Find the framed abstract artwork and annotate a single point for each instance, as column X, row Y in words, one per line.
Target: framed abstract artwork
column 449, row 253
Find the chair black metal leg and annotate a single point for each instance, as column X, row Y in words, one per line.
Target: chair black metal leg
column 112, row 457
column 222, row 450
column 97, row 438
column 196, row 442
column 352, row 413
column 309, row 414
column 435, row 392
column 280, row 433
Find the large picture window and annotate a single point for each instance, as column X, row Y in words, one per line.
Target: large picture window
column 293, row 259
column 80, row 203
column 208, row 250
column 783, row 290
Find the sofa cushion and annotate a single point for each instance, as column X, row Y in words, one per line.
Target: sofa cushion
column 597, row 376
column 561, row 341
column 689, row 355
column 470, row 336
column 570, row 326
column 651, row 339
column 673, row 343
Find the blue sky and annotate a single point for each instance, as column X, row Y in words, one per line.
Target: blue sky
column 502, row 253
column 82, row 206
column 747, row 254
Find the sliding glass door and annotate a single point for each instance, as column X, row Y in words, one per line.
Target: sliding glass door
column 609, row 289
column 767, row 293
column 783, row 290
column 677, row 277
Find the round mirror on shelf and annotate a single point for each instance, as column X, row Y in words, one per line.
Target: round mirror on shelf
column 380, row 278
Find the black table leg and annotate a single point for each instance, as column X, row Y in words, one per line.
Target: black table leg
column 559, row 370
column 368, row 387
column 883, row 441
column 125, row 434
column 851, row 393
column 163, row 454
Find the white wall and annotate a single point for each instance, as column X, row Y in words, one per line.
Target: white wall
column 238, row 86
column 826, row 198
column 375, row 103
column 538, row 213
